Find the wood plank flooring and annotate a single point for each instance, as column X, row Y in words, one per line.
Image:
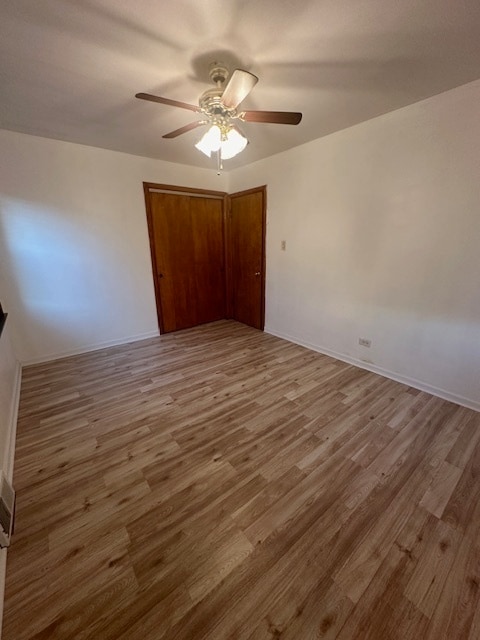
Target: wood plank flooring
column 220, row 483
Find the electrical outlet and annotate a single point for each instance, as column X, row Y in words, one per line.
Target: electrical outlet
column 283, row 245
column 365, row 342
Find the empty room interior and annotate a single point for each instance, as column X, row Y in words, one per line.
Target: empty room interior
column 240, row 320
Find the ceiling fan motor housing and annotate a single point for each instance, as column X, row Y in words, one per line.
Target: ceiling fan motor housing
column 211, row 100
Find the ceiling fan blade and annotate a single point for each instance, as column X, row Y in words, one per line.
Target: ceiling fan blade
column 275, row 117
column 238, row 87
column 185, row 129
column 172, row 103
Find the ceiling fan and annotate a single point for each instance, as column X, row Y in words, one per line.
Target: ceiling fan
column 218, row 107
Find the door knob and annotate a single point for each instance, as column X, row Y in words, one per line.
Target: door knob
column 257, row 273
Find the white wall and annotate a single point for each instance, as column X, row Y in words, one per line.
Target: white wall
column 74, row 245
column 382, row 225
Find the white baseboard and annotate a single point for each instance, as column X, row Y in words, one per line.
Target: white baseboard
column 411, row 382
column 91, row 347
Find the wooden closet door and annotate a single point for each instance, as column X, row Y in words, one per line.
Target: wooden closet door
column 207, row 218
column 187, row 233
column 247, row 222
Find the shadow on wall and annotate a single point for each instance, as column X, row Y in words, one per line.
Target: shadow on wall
column 40, row 274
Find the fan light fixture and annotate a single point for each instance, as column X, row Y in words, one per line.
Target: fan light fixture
column 220, row 108
column 229, row 142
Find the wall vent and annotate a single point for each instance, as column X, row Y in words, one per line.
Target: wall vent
column 7, row 511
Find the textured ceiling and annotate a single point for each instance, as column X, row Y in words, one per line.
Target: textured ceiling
column 69, row 69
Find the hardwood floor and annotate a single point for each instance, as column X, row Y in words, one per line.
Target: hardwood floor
column 220, row 483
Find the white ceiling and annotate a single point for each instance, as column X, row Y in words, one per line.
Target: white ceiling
column 69, row 69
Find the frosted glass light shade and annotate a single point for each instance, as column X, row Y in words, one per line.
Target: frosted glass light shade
column 233, row 144
column 211, row 141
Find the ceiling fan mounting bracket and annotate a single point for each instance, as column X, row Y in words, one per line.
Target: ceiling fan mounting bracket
column 218, row 73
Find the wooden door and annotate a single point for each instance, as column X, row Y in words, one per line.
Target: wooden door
column 188, row 257
column 246, row 251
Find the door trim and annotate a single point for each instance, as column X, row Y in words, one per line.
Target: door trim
column 168, row 188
